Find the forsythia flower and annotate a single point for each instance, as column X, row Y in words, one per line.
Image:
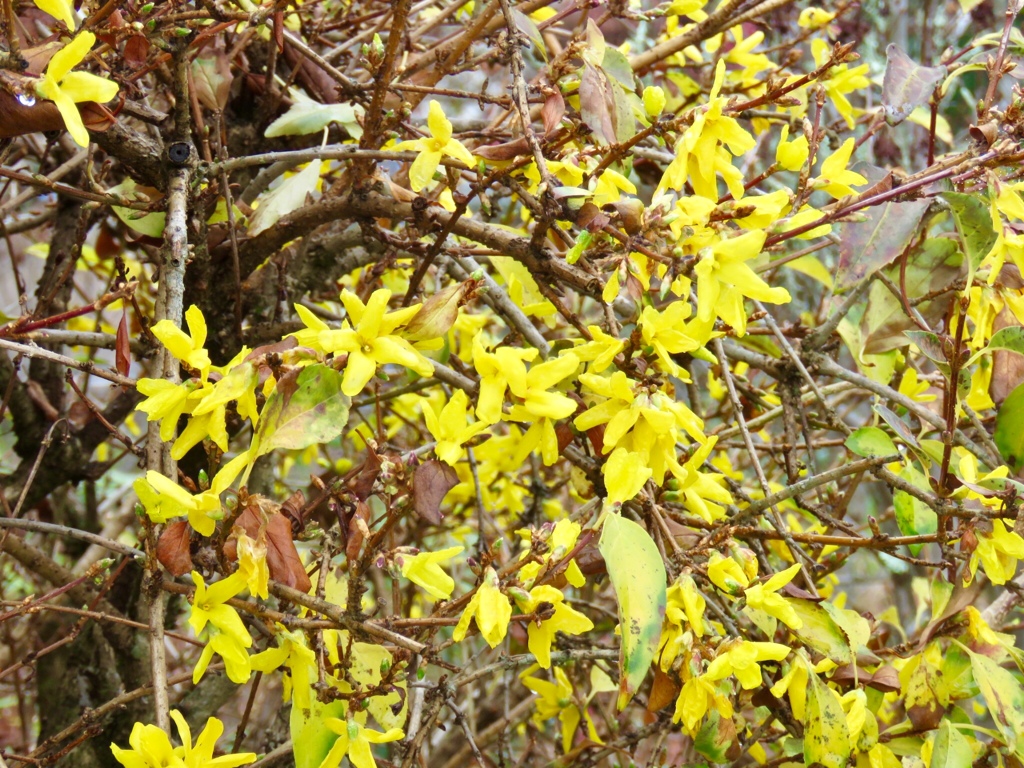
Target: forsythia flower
column 186, row 347
column 813, row 18
column 541, row 632
column 541, row 406
column 726, row 574
column 497, row 370
column 840, row 80
column 701, row 152
column 561, row 540
column 450, row 428
column 742, row 660
column 151, row 748
column 66, row 88
column 424, row 569
column 792, row 155
column 555, row 699
column 696, row 697
column 228, row 636
column 433, row 148
column 62, row 10
column 763, row 597
column 291, row 652
column 683, row 603
column 371, row 340
column 998, row 554
column 354, row 740
column 724, row 279
column 834, row 178
column 491, row 609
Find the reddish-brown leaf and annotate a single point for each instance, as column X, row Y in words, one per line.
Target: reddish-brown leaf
column 136, row 50
column 173, row 548
column 565, row 435
column 430, row 484
column 664, row 691
column 553, row 110
column 360, row 480
column 292, row 509
column 122, row 346
column 282, row 557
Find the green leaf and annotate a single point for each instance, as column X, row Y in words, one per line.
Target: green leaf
column 288, row 196
column 311, row 739
column 1009, row 434
column 715, row 738
column 307, row 116
column 303, row 411
column 150, row 224
column 638, row 575
column 974, row 223
column 951, row 749
column 913, row 516
column 826, row 735
column 1004, row 696
column 930, row 345
column 870, row 442
column 1010, row 338
column 582, row 241
column 820, row 632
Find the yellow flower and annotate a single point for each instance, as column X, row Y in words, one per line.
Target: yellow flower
column 491, row 609
column 433, row 148
column 724, row 279
column 556, row 699
column 62, row 10
column 998, row 554
column 683, row 603
column 695, row 699
column 541, row 632
column 701, row 151
column 163, row 499
column 795, row 683
column 371, row 340
column 792, row 155
column 666, row 333
column 450, row 427
column 424, row 569
column 292, row 652
column 704, row 493
column 834, row 178
column 840, row 80
column 763, row 597
column 497, row 370
column 252, row 561
column 150, row 748
column 914, row 388
column 742, row 660
column 66, row 88
column 561, row 539
column 228, row 636
column 537, row 404
column 200, row 755
column 727, row 574
column 814, row 18
column 166, row 402
column 354, row 740
column 186, row 347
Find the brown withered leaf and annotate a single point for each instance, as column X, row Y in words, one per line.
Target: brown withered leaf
column 173, row 550
column 272, row 349
column 1007, row 367
column 122, row 346
column 553, row 110
column 292, row 509
column 664, row 691
column 282, row 557
column 565, row 435
column 430, row 484
column 358, row 528
column 506, row 151
column 136, row 50
column 885, row 678
column 360, row 480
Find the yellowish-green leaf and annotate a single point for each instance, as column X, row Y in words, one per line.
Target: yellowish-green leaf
column 311, row 739
column 1004, row 696
column 820, row 631
column 870, row 442
column 638, row 575
column 951, row 748
column 826, row 735
column 288, row 196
